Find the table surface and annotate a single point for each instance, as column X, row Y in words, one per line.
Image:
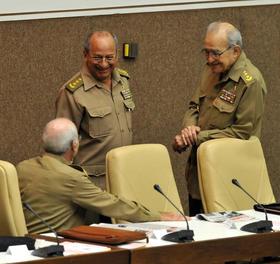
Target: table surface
column 214, row 243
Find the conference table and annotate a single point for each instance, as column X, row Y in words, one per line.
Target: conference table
column 214, row 243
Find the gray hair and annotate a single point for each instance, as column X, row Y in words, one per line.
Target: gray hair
column 59, row 135
column 234, row 37
column 104, row 33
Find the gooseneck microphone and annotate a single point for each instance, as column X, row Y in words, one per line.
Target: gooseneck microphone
column 179, row 236
column 261, row 226
column 49, row 251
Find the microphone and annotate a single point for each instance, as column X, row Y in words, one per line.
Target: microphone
column 49, row 251
column 261, row 226
column 179, row 236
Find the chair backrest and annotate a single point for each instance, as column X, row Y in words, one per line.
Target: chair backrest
column 132, row 171
column 221, row 160
column 12, row 222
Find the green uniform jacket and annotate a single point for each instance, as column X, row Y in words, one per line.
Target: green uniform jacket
column 230, row 107
column 61, row 194
column 103, row 118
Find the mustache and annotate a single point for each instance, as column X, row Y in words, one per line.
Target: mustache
column 102, row 68
column 213, row 63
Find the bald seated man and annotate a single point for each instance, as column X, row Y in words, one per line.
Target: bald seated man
column 61, row 194
column 228, row 102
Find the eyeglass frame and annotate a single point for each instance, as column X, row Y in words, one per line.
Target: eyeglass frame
column 215, row 53
column 108, row 58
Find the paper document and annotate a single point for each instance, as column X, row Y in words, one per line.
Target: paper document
column 136, row 226
column 219, row 217
column 73, row 248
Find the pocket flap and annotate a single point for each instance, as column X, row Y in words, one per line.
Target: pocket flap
column 223, row 106
column 99, row 112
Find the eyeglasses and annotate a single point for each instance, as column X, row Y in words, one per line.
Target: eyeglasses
column 214, row 53
column 98, row 59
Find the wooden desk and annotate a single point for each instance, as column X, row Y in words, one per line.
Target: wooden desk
column 116, row 255
column 211, row 251
column 120, row 256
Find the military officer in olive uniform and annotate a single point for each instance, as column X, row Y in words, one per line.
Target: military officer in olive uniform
column 61, row 194
column 229, row 102
column 99, row 101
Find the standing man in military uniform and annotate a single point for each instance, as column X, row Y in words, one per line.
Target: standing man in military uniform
column 99, row 101
column 229, row 102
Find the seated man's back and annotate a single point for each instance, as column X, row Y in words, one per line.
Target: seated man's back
column 61, row 194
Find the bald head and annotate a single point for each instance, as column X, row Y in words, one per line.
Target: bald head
column 226, row 31
column 59, row 135
column 99, row 34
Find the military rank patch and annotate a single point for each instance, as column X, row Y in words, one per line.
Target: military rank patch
column 123, row 73
column 128, row 101
column 247, row 77
column 126, row 94
column 75, row 83
column 227, row 96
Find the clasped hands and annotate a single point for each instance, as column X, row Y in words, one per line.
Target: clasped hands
column 187, row 137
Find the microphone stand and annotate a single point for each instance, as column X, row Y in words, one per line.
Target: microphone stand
column 181, row 236
column 261, row 226
column 49, row 251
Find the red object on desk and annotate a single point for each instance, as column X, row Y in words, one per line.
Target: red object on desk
column 103, row 235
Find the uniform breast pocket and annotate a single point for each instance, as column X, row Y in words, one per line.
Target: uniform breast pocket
column 223, row 114
column 100, row 121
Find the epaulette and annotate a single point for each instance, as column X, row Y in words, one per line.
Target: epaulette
column 123, row 73
column 247, row 77
column 75, row 83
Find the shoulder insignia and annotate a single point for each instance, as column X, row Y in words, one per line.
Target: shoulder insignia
column 247, row 77
column 75, row 83
column 123, row 73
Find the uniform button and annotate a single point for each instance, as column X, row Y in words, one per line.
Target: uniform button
column 122, row 130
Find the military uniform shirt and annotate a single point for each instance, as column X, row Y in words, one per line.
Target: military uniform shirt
column 230, row 107
column 103, row 117
column 61, row 194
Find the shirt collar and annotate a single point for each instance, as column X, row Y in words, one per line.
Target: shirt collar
column 58, row 157
column 90, row 81
column 236, row 70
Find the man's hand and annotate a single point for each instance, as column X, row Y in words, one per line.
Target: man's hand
column 167, row 216
column 178, row 144
column 189, row 135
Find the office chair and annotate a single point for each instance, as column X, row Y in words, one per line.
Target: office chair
column 12, row 222
column 132, row 171
column 221, row 160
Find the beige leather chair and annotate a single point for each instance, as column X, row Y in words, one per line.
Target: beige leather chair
column 221, row 160
column 132, row 171
column 12, row 222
